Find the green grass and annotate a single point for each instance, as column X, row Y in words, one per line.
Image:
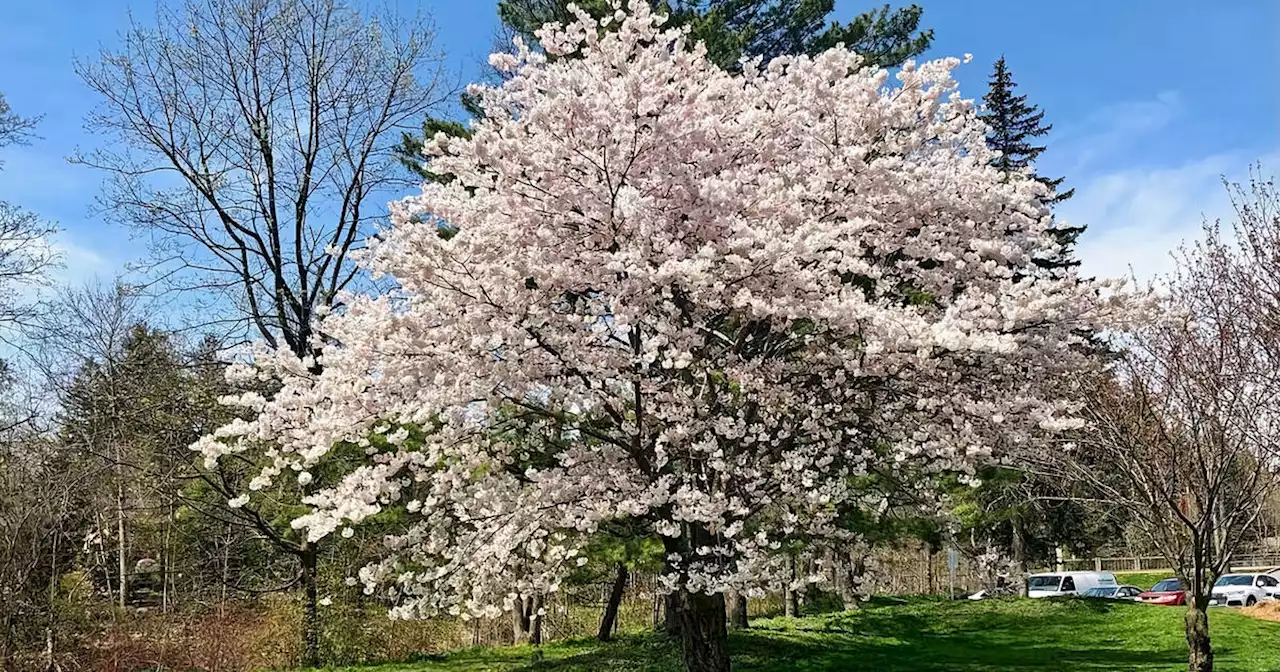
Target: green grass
column 920, row 636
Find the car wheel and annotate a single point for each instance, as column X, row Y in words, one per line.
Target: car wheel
column 1251, row 601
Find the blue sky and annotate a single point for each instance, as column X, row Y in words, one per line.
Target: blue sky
column 1152, row 102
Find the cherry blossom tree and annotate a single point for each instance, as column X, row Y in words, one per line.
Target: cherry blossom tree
column 701, row 301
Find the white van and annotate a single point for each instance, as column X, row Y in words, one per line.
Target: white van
column 1055, row 584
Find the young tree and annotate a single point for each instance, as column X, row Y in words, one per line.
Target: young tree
column 1013, row 127
column 699, row 300
column 1183, row 436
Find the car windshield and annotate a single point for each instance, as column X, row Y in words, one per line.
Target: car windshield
column 1100, row 591
column 1235, row 580
column 1044, row 582
column 1167, row 586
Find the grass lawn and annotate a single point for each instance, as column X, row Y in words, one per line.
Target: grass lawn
column 921, row 636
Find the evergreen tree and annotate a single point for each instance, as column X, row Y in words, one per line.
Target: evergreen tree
column 736, row 29
column 1014, row 124
column 730, row 29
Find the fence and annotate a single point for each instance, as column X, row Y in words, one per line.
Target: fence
column 1255, row 559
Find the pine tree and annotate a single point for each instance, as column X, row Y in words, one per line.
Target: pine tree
column 1014, row 124
column 730, row 29
column 736, row 29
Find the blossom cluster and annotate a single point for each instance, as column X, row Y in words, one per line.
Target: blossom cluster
column 702, row 300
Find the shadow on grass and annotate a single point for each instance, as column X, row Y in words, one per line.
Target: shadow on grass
column 904, row 637
column 916, row 635
column 997, row 635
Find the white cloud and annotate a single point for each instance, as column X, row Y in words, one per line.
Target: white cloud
column 1137, row 217
column 1110, row 130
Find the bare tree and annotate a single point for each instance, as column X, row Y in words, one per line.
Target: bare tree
column 252, row 143
column 1184, row 434
column 253, row 146
column 25, row 250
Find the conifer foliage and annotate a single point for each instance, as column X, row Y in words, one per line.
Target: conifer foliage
column 1014, row 124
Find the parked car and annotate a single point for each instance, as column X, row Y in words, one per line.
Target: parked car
column 1243, row 590
column 1167, row 592
column 1067, row 583
column 1126, row 593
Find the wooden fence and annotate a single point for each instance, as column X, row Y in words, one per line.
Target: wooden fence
column 1251, row 560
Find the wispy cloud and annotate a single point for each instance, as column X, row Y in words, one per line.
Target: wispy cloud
column 1112, row 130
column 1138, row 217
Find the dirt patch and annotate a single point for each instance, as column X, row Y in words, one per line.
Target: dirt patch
column 1267, row 611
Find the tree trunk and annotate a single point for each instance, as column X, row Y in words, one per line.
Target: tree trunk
column 535, row 620
column 1019, row 551
column 166, row 558
column 790, row 598
column 853, row 582
column 704, row 637
column 121, row 547
column 121, row 550
column 930, row 580
column 310, row 614
column 610, row 619
column 51, row 629
column 737, row 604
column 671, row 621
column 526, row 624
column 1199, row 652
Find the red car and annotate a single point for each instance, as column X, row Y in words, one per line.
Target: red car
column 1170, row 592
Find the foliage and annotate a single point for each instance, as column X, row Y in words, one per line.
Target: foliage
column 733, row 30
column 730, row 30
column 662, row 306
column 1013, row 125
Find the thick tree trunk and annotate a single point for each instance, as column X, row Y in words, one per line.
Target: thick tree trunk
column 737, row 605
column 526, row 622
column 852, row 597
column 520, row 622
column 310, row 613
column 1199, row 651
column 671, row 620
column 704, row 636
column 610, row 619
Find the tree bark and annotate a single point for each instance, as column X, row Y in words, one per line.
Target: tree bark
column 671, row 622
column 790, row 598
column 1019, row 551
column 737, row 604
column 310, row 613
column 520, row 622
column 1199, row 651
column 704, row 636
column 610, row 619
column 852, row 597
column 929, row 579
column 526, row 622
column 535, row 620
column 121, row 547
